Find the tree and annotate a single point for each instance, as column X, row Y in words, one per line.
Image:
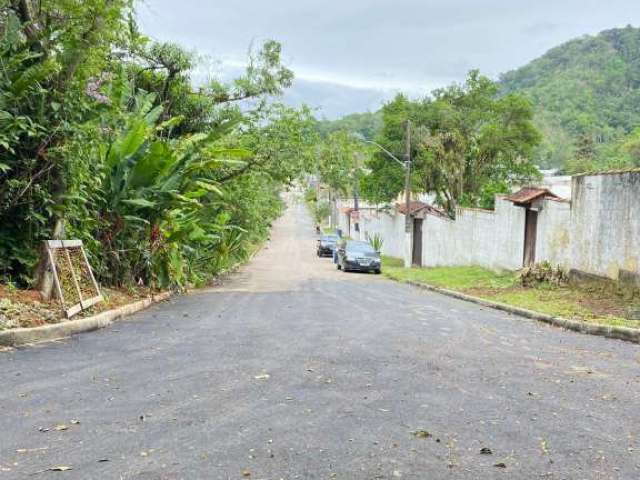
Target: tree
column 584, row 155
column 468, row 144
column 339, row 165
column 385, row 178
column 321, row 212
column 50, row 51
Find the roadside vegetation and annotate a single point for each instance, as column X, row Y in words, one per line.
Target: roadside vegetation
column 589, row 303
column 108, row 136
column 105, row 138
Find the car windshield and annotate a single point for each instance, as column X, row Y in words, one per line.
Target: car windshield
column 329, row 238
column 360, row 247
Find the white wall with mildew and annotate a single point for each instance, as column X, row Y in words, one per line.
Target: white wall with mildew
column 553, row 242
column 598, row 232
column 605, row 223
column 487, row 238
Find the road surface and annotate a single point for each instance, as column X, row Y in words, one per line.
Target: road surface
column 294, row 370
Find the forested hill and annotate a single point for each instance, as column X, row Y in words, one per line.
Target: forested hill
column 366, row 124
column 586, row 94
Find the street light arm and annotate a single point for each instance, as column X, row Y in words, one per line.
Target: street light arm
column 387, row 152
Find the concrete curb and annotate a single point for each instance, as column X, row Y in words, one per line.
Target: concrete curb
column 609, row 331
column 22, row 336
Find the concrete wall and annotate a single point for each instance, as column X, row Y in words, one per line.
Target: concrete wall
column 605, row 224
column 492, row 239
column 598, row 232
column 560, row 185
column 343, row 218
column 389, row 225
column 553, row 242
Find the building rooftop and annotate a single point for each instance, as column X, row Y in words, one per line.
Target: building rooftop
column 529, row 194
column 420, row 207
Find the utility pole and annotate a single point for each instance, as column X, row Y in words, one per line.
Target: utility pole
column 408, row 244
column 407, row 192
column 356, row 195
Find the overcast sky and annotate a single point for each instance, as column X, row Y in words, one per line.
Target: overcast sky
column 351, row 55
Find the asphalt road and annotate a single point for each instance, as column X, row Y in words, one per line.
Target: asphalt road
column 293, row 370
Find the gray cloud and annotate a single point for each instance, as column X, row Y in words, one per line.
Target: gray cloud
column 372, row 48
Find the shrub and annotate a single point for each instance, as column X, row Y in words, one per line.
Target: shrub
column 376, row 241
column 320, row 212
column 541, row 273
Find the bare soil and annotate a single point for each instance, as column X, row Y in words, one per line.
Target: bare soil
column 25, row 308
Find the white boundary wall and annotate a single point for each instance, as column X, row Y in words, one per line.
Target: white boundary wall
column 598, row 232
column 553, row 243
column 487, row 238
column 389, row 225
column 605, row 223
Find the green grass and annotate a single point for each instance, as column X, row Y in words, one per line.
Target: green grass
column 562, row 302
column 456, row 278
column 504, row 287
column 392, row 262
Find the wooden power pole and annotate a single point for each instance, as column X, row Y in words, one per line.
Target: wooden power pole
column 407, row 198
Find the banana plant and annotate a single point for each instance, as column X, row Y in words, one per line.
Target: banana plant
column 157, row 190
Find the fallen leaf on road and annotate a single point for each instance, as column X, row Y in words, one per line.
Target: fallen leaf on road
column 61, row 428
column 27, row 450
column 544, row 447
column 246, row 473
column 486, row 451
column 421, row 434
column 60, row 468
column 500, row 465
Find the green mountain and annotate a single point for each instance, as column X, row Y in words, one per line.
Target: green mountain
column 586, row 93
column 367, row 124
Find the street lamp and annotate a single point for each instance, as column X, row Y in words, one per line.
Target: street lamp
column 384, row 150
column 407, row 189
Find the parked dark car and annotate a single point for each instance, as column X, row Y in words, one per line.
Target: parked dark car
column 358, row 256
column 327, row 244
